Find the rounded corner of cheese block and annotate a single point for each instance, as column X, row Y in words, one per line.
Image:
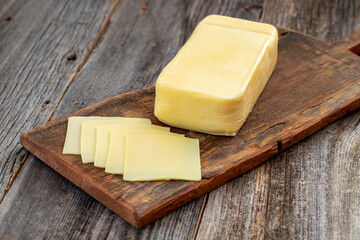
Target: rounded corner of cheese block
column 273, row 28
column 211, row 17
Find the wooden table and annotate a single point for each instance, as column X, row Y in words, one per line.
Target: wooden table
column 60, row 56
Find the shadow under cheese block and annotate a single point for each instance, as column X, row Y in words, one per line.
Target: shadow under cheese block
column 216, row 78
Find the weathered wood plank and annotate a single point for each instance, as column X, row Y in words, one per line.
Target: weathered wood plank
column 117, row 228
column 327, row 20
column 37, row 41
column 45, row 205
column 310, row 191
column 129, row 56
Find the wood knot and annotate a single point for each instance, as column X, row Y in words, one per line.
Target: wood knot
column 46, row 103
column 143, row 8
column 72, row 57
column 8, row 19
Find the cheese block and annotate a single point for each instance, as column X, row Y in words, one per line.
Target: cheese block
column 103, row 138
column 73, row 133
column 116, row 154
column 216, row 78
column 154, row 156
column 88, row 135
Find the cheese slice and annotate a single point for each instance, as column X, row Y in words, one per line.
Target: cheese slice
column 216, row 78
column 116, row 154
column 88, row 135
column 154, row 156
column 103, row 138
column 73, row 133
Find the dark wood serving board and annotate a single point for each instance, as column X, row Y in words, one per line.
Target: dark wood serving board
column 314, row 83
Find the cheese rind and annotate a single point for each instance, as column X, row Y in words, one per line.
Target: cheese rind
column 117, row 147
column 152, row 156
column 103, row 138
column 72, row 143
column 88, row 135
column 216, row 78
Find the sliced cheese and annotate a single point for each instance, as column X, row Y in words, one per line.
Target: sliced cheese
column 103, row 138
column 88, row 135
column 73, row 133
column 154, row 156
column 116, row 154
column 216, row 78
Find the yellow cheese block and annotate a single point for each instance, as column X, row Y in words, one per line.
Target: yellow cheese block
column 73, row 133
column 154, row 156
column 103, row 138
column 88, row 135
column 216, row 78
column 116, row 154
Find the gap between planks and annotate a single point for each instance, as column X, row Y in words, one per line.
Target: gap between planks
column 73, row 76
column 200, row 216
column 12, row 179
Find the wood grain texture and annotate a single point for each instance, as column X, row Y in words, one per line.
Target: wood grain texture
column 63, row 211
column 332, row 20
column 293, row 195
column 327, row 20
column 117, row 65
column 310, row 191
column 37, row 39
column 276, row 122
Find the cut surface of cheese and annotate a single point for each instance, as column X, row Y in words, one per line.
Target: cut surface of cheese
column 73, row 133
column 117, row 147
column 103, row 138
column 88, row 135
column 216, row 78
column 151, row 156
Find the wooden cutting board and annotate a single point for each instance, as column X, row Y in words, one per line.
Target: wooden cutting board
column 314, row 83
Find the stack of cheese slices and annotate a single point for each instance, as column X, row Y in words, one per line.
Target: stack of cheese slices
column 133, row 147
